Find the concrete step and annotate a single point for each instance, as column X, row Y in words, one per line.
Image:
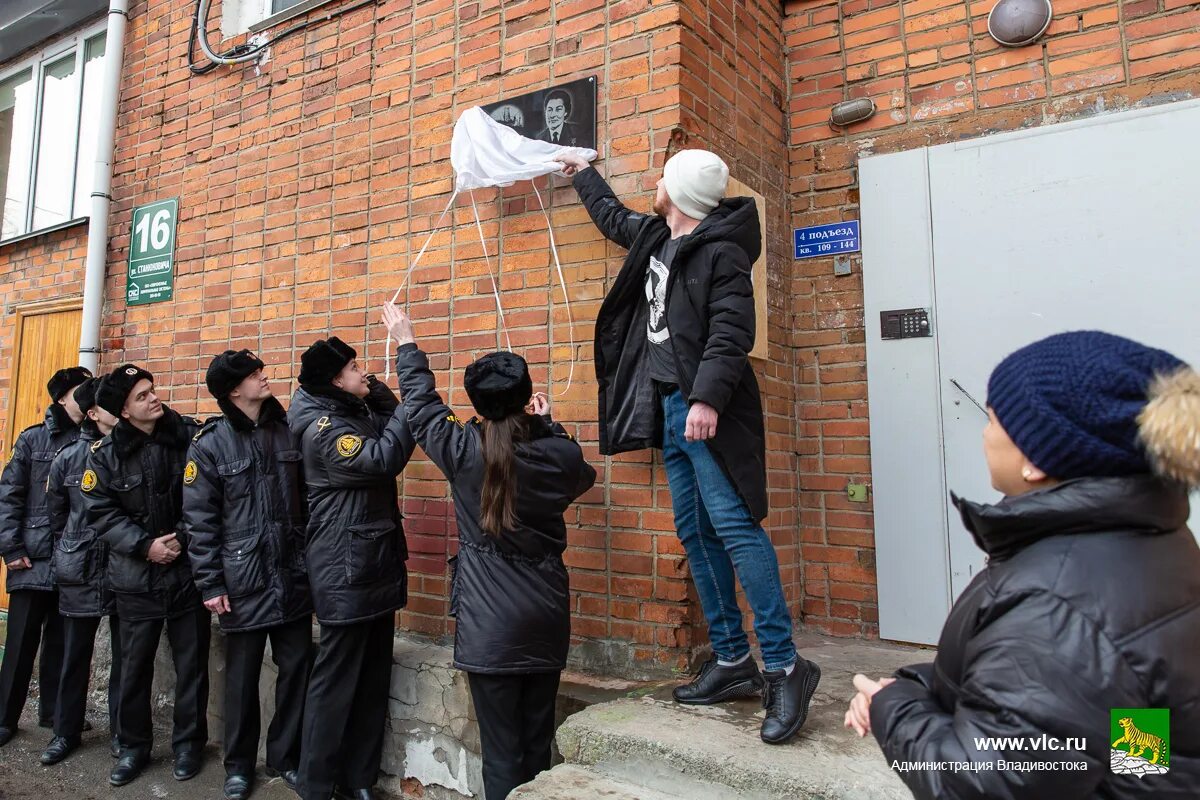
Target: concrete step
column 714, row 752
column 572, row 782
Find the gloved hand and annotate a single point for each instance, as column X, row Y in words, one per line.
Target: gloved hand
column 380, row 397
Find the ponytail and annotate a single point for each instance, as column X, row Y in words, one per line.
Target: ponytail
column 499, row 471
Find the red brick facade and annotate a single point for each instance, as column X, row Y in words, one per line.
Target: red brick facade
column 305, row 190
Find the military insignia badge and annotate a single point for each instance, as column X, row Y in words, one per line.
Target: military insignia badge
column 348, row 445
column 89, row 480
column 96, row 444
column 322, row 424
column 189, row 473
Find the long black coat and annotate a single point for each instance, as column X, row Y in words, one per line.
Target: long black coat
column 133, row 493
column 24, row 523
column 245, row 510
column 509, row 594
column 80, row 557
column 1090, row 602
column 710, row 312
column 356, row 546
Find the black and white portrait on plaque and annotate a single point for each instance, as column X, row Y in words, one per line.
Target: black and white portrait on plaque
column 563, row 114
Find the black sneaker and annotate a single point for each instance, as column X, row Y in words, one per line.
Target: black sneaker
column 786, row 700
column 716, row 684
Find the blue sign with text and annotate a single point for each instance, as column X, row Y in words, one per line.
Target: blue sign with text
column 828, row 240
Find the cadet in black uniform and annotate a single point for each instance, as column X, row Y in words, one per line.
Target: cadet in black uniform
column 80, row 562
column 245, row 511
column 26, row 543
column 133, row 490
column 512, row 476
column 355, row 442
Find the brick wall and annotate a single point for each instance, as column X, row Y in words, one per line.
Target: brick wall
column 936, row 76
column 307, row 186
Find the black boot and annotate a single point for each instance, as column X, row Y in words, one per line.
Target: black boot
column 59, row 748
column 114, row 747
column 238, row 787
column 786, row 700
column 342, row 793
column 290, row 777
column 128, row 767
column 187, row 764
column 716, row 684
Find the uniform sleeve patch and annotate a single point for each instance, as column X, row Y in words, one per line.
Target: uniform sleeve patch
column 322, row 424
column 89, row 480
column 96, row 444
column 189, row 473
column 349, row 445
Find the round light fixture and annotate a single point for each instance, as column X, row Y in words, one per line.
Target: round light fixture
column 1016, row 23
column 852, row 111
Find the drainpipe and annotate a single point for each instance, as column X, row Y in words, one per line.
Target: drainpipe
column 97, row 241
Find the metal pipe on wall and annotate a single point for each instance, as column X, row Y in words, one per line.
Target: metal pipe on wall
column 97, row 242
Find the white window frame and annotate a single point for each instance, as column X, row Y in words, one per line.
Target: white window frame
column 37, row 62
column 270, row 18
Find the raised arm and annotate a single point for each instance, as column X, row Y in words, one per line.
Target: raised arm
column 441, row 435
column 612, row 218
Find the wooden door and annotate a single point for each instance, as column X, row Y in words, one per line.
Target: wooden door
column 46, row 339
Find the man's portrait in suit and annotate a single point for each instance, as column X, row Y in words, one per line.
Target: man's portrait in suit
column 558, row 128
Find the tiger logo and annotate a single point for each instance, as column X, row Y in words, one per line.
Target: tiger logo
column 1137, row 741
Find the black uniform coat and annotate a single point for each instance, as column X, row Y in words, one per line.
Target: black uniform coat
column 133, row 492
column 509, row 594
column 356, row 547
column 710, row 312
column 80, row 557
column 245, row 511
column 24, row 522
column 1090, row 602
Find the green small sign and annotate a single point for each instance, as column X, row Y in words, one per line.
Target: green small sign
column 151, row 276
column 1144, row 734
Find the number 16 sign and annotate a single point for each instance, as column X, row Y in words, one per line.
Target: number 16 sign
column 151, row 275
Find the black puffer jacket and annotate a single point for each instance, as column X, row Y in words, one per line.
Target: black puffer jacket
column 133, row 492
column 710, row 312
column 245, row 510
column 24, row 524
column 80, row 557
column 1090, row 602
column 356, row 547
column 509, row 595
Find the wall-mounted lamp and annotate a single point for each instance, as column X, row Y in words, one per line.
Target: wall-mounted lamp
column 852, row 111
column 1016, row 23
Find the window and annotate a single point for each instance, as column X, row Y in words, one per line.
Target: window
column 275, row 6
column 49, row 113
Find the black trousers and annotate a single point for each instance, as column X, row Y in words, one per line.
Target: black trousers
column 33, row 620
column 516, row 727
column 346, row 711
column 79, row 641
column 291, row 650
column 188, row 636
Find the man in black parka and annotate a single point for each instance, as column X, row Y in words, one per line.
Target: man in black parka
column 355, row 441
column 84, row 598
column 245, row 511
column 133, row 492
column 672, row 343
column 26, row 544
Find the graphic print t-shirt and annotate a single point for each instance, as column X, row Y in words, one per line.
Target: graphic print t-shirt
column 660, row 354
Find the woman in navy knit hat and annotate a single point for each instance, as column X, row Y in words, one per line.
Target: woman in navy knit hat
column 1090, row 601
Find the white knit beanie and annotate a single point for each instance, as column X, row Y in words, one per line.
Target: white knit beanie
column 696, row 181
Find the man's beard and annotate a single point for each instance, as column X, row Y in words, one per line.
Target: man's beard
column 661, row 207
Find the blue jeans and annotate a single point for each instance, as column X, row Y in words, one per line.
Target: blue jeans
column 722, row 538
